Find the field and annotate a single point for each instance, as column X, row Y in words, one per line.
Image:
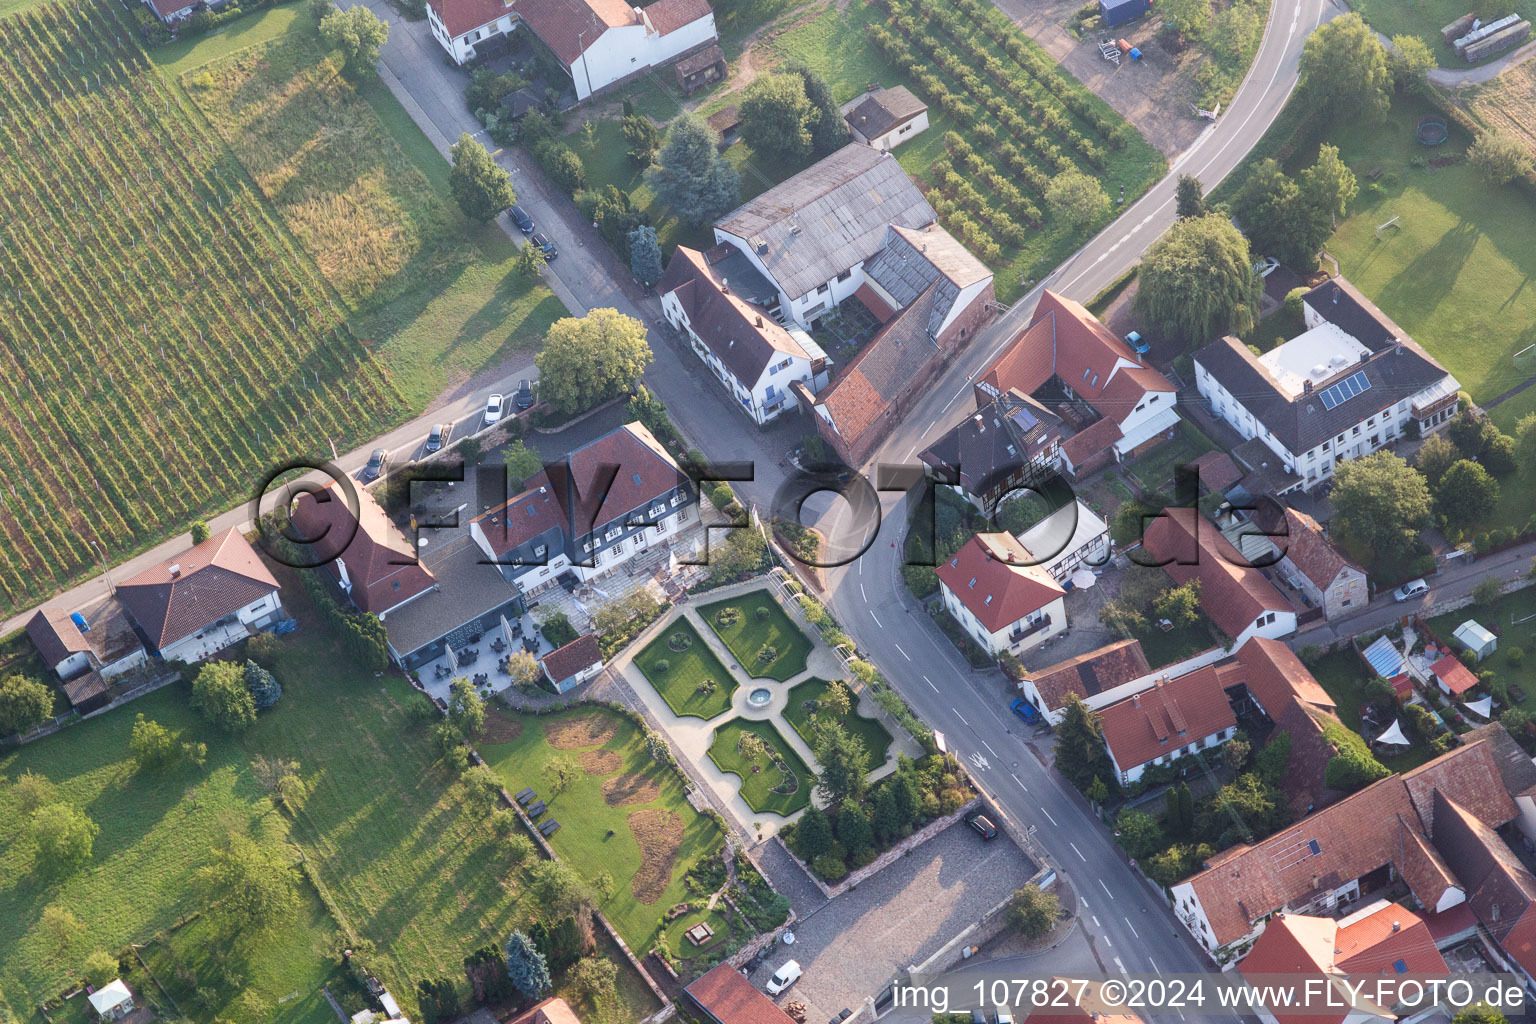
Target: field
column 874, row 736
column 748, row 635
column 366, row 194
column 678, row 674
column 1508, row 103
column 624, row 815
column 1425, row 18
column 169, row 261
column 404, row 865
column 757, row 785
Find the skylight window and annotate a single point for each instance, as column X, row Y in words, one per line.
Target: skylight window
column 1312, row 845
column 635, row 477
column 1400, row 966
column 1337, row 394
column 972, row 584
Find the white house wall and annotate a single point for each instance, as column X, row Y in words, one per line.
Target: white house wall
column 1141, row 426
column 1104, row 698
column 621, row 52
column 896, row 136
column 998, row 642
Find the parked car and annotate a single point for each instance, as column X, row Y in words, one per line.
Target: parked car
column 493, row 407
column 1410, row 590
column 521, row 219
column 1025, row 710
column 1266, row 266
column 1138, row 344
column 376, row 462
column 524, row 398
column 438, row 436
column 982, row 825
column 784, row 977
column 545, row 246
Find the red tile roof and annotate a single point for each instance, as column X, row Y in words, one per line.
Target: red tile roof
column 1217, row 470
column 729, row 998
column 1085, row 444
column 55, row 635
column 744, row 337
column 670, row 15
column 1299, row 707
column 991, row 576
column 461, row 17
column 380, row 560
column 550, row 1011
column 1087, row 674
column 1169, row 716
column 1373, row 944
column 1302, row 541
column 874, row 303
column 581, row 653
column 215, row 578
column 1456, row 676
column 1232, row 593
column 524, row 517
column 1068, row 341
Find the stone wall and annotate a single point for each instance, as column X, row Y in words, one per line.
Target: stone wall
column 762, row 942
column 901, row 849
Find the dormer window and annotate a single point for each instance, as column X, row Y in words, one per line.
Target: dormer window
column 972, row 585
column 538, row 550
column 677, row 499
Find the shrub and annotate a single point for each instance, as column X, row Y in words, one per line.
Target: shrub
column 761, row 614
column 830, row 868
column 662, row 666
column 1515, row 656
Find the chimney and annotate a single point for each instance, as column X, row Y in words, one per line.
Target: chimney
column 759, row 321
column 175, row 570
column 1335, row 295
column 1306, row 387
column 1397, row 925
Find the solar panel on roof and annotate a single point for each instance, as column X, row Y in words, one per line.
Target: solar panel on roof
column 1337, row 394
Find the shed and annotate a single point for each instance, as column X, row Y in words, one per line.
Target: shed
column 1117, row 12
column 1476, row 639
column 887, row 117
column 701, row 69
column 112, row 1001
column 1454, row 678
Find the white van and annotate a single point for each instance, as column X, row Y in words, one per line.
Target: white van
column 784, row 977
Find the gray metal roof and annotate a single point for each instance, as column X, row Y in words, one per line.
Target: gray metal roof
column 912, row 261
column 829, row 217
column 881, row 111
column 467, row 588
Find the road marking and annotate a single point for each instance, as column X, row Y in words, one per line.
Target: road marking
column 877, row 619
column 930, row 684
column 1019, row 781
column 1106, row 889
column 1048, row 815
column 1132, row 928
column 1153, row 962
column 1109, row 942
column 958, row 714
column 983, row 742
column 1095, row 920
column 1084, row 901
column 904, row 654
column 1120, row 965
column 861, row 569
column 980, row 761
column 863, row 594
column 1075, row 849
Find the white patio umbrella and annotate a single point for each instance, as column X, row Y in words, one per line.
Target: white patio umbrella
column 1082, row 579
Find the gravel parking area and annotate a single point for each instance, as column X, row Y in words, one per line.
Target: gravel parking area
column 850, row 947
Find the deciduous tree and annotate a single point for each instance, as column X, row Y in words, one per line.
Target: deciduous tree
column 1435, row 456
column 1189, row 197
column 1329, row 186
column 559, row 771
column 1410, row 59
column 1033, row 911
column 1466, row 494
column 1344, row 70
column 1278, row 219
column 481, row 187
column 1076, row 198
column 1525, row 443
column 246, row 889
column 359, row 34
column 530, row 260
column 466, row 708
column 690, row 177
column 588, row 360
column 220, row 695
column 24, row 703
column 559, row 889
column 1500, row 156
column 1380, row 501
column 1189, row 19
column 101, row 968
column 1197, row 281
column 1139, row 833
column 776, row 116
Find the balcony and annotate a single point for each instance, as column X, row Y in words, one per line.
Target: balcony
column 1028, row 631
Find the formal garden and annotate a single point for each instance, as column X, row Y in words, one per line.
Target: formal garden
column 773, row 777
column 759, row 635
column 809, row 703
column 687, row 674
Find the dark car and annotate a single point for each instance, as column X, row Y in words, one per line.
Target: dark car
column 438, row 436
column 522, row 220
column 376, row 461
column 546, row 246
column 983, row 826
column 1025, row 710
column 524, row 396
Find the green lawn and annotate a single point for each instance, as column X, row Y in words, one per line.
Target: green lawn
column 157, row 829
column 366, row 193
column 677, row 674
column 1455, row 273
column 597, row 837
column 1500, row 617
column 752, row 631
column 1343, row 675
column 1177, row 644
column 756, row 787
column 1274, row 330
column 1425, row 18
column 874, row 736
column 717, row 919
column 1155, row 470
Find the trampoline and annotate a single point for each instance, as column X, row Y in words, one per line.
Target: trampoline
column 1432, row 131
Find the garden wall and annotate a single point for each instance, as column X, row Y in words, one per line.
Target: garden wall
column 901, row 849
column 1458, row 603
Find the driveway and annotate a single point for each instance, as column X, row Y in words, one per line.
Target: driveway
column 853, row 946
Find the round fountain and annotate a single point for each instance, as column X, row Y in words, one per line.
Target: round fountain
column 760, row 697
